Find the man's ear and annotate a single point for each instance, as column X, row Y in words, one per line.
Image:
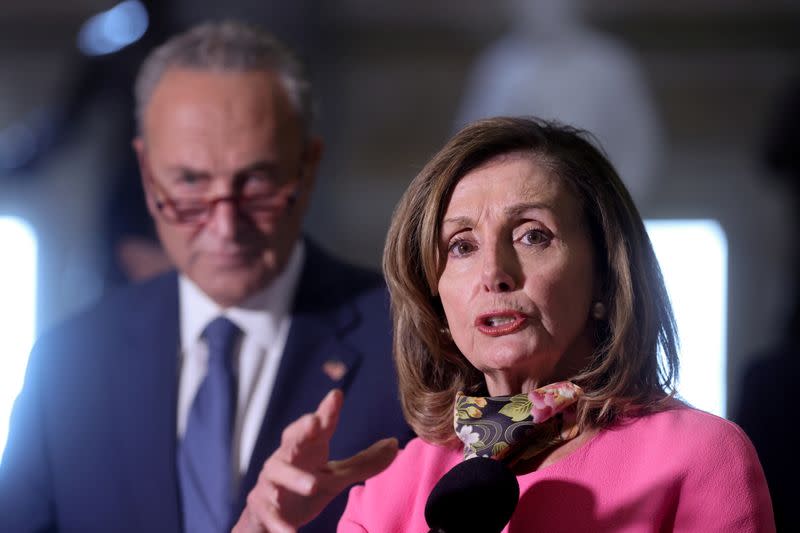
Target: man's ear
column 144, row 173
column 138, row 146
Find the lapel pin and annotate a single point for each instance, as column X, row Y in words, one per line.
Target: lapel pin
column 334, row 369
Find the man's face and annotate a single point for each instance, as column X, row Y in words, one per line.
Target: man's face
column 210, row 135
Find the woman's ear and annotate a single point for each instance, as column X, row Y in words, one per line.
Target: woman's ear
column 598, row 310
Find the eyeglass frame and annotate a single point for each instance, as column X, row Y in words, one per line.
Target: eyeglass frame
column 285, row 196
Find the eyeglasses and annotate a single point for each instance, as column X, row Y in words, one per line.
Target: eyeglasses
column 262, row 205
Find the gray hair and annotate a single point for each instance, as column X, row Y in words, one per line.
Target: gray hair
column 226, row 46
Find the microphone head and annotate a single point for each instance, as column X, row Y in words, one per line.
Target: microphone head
column 453, row 507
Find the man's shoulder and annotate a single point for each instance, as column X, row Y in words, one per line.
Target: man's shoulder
column 327, row 279
column 327, row 266
column 118, row 306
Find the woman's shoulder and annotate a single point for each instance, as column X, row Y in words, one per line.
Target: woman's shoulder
column 683, row 433
column 709, row 457
column 686, row 421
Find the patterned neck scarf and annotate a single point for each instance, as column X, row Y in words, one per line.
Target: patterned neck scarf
column 514, row 429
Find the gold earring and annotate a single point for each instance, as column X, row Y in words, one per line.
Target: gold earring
column 598, row 311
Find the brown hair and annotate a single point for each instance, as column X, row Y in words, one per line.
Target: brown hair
column 635, row 362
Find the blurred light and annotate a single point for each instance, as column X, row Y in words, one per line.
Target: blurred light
column 17, row 312
column 112, row 30
column 693, row 255
column 17, row 146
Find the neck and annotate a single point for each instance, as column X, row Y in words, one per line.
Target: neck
column 503, row 383
column 555, row 453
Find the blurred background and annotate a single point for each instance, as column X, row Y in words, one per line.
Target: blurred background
column 683, row 95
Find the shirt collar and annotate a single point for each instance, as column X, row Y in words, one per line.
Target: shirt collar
column 258, row 316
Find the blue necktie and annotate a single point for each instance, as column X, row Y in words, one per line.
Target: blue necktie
column 204, row 454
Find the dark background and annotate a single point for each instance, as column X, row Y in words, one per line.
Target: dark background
column 391, row 76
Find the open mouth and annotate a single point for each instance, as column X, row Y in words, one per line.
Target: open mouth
column 500, row 323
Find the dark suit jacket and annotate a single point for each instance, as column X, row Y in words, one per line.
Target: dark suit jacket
column 93, row 434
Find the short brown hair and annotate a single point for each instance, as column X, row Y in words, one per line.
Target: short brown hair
column 635, row 363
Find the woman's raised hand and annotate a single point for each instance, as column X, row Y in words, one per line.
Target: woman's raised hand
column 298, row 480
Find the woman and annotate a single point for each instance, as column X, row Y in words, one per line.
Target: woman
column 525, row 292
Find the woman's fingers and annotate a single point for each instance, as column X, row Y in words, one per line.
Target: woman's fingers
column 305, row 441
column 364, row 464
column 261, row 517
column 335, row 475
column 276, row 522
column 290, row 477
column 328, row 412
column 298, row 436
column 298, row 481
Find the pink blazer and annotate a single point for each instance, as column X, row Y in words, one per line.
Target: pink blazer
column 679, row 470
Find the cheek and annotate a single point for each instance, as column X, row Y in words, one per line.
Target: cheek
column 457, row 283
column 285, row 226
column 451, row 297
column 568, row 298
column 456, row 309
column 176, row 240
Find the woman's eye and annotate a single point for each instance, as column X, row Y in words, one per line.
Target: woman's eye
column 535, row 236
column 460, row 248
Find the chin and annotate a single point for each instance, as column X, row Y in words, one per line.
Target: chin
column 504, row 363
column 517, row 362
column 232, row 288
column 227, row 297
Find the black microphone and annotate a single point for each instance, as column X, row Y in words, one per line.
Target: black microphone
column 477, row 495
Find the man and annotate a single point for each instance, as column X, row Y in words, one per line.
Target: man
column 156, row 409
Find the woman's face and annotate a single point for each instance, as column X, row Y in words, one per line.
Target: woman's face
column 518, row 277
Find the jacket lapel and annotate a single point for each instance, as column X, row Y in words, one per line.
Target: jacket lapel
column 315, row 360
column 144, row 387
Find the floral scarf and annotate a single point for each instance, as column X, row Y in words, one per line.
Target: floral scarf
column 516, row 428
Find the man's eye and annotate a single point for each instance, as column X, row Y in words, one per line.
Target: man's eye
column 259, row 182
column 258, row 178
column 188, row 179
column 188, row 185
column 253, row 177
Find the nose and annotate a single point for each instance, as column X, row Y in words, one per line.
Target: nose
column 223, row 219
column 500, row 268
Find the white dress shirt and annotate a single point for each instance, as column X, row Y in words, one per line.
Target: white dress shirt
column 264, row 319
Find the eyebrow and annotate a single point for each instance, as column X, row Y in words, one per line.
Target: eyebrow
column 268, row 166
column 183, row 170
column 518, row 209
column 265, row 165
column 512, row 211
column 459, row 221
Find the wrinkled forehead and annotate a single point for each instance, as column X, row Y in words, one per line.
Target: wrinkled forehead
column 225, row 117
column 545, row 180
column 197, row 98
